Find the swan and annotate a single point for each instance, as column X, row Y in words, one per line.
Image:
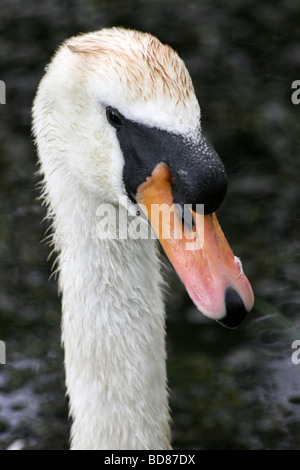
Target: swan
column 116, row 123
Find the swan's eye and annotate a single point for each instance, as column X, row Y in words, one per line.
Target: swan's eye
column 114, row 118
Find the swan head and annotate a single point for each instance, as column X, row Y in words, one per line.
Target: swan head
column 120, row 102
column 117, row 112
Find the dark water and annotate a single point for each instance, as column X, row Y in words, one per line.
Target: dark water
column 229, row 389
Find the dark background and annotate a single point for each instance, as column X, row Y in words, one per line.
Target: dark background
column 229, row 389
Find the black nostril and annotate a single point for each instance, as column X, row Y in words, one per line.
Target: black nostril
column 235, row 309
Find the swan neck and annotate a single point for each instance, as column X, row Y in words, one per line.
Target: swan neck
column 113, row 331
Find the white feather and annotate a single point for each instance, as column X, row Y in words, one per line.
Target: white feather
column 113, row 314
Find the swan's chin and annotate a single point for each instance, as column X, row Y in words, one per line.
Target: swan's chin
column 202, row 257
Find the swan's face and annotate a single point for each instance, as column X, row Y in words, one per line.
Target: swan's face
column 122, row 102
column 122, row 108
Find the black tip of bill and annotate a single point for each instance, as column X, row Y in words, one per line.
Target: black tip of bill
column 235, row 309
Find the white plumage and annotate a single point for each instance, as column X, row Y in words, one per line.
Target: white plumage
column 113, row 322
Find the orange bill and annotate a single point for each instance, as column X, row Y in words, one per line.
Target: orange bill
column 202, row 257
